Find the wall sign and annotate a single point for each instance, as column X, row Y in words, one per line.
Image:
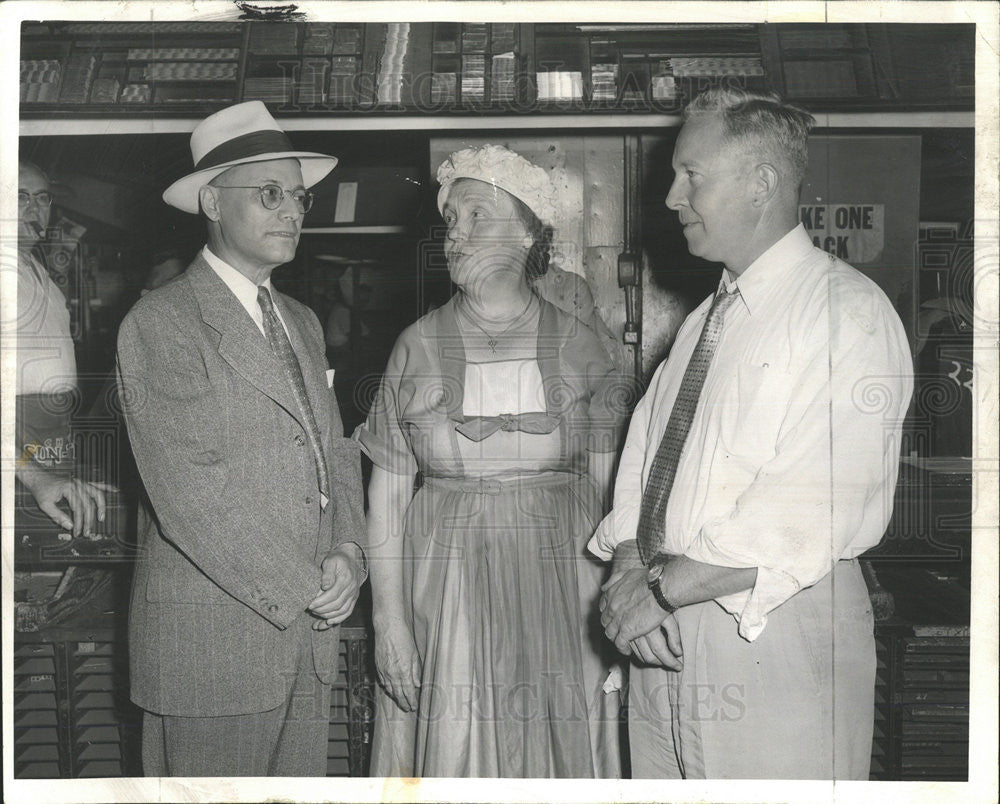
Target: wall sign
column 854, row 233
column 864, row 189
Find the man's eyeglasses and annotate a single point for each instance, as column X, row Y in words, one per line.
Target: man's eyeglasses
column 271, row 196
column 42, row 199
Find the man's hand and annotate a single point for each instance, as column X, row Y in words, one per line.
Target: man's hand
column 626, row 557
column 628, row 608
column 85, row 500
column 398, row 665
column 661, row 646
column 339, row 587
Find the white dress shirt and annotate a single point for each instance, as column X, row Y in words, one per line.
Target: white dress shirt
column 242, row 287
column 46, row 361
column 791, row 461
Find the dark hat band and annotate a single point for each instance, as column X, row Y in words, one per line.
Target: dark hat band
column 244, row 146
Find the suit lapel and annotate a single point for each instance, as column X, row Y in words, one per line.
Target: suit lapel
column 241, row 344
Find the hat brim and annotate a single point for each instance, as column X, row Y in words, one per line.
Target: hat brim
column 183, row 193
column 545, row 217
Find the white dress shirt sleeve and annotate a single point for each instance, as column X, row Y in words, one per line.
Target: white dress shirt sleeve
column 827, row 492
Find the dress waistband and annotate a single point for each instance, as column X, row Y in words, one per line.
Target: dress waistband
column 496, row 486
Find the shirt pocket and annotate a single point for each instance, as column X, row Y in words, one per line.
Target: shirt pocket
column 761, row 401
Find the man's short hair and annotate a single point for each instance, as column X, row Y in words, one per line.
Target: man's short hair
column 761, row 123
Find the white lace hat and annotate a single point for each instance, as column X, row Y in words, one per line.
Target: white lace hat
column 505, row 169
column 233, row 136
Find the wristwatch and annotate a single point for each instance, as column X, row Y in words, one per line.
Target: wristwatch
column 653, row 575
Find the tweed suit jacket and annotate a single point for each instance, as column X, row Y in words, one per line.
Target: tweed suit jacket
column 231, row 551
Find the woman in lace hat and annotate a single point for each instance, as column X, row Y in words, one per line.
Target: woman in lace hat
column 503, row 411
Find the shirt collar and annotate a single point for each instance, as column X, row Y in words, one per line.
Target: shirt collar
column 244, row 289
column 757, row 281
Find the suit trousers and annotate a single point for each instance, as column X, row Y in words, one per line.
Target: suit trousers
column 288, row 740
column 796, row 703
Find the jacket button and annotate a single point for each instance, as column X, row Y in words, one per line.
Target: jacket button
column 272, row 608
column 309, row 500
column 299, row 441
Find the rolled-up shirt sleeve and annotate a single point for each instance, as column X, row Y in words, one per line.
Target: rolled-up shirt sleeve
column 827, row 493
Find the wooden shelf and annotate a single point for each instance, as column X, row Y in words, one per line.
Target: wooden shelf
column 354, row 230
column 145, row 124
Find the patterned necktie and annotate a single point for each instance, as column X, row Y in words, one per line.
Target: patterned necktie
column 652, row 519
column 282, row 348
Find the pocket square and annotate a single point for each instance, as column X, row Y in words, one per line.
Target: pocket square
column 329, row 378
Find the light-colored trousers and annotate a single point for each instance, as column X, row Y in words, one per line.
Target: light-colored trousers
column 797, row 703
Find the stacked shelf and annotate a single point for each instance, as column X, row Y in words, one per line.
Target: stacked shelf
column 73, row 719
column 922, row 675
column 183, row 74
column 389, row 83
column 98, row 722
column 933, row 695
column 642, row 67
column 921, row 703
column 884, row 759
column 444, row 67
column 475, row 65
column 273, row 65
column 135, row 65
column 36, row 727
column 828, row 61
column 40, row 80
column 351, row 712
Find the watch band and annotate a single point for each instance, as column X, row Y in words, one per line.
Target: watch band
column 661, row 600
column 656, row 566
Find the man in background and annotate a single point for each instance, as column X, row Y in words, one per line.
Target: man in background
column 759, row 465
column 46, row 375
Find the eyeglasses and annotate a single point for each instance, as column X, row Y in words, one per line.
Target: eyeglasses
column 271, row 195
column 42, row 199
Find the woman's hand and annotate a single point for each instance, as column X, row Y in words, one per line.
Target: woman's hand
column 398, row 665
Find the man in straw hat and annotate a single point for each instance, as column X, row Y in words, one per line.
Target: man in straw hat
column 253, row 555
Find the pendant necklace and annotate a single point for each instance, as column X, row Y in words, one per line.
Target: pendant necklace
column 491, row 340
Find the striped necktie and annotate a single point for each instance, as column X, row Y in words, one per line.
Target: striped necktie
column 282, row 348
column 652, row 514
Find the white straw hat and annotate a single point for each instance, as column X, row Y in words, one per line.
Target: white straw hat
column 236, row 135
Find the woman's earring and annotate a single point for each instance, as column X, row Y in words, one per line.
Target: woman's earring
column 528, row 241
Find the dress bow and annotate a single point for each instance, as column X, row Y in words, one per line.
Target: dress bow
column 480, row 427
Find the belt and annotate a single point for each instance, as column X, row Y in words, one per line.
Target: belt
column 497, row 486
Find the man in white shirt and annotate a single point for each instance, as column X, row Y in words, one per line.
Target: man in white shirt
column 252, row 552
column 749, row 618
column 46, row 374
